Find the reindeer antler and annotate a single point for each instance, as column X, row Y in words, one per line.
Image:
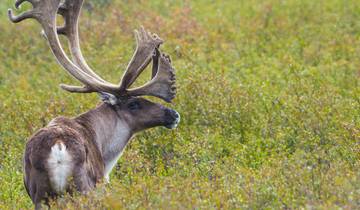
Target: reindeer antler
column 162, row 84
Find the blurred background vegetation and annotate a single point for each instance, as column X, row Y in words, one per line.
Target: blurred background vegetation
column 268, row 92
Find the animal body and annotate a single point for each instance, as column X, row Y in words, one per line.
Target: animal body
column 77, row 153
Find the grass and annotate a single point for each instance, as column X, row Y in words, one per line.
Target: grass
column 268, row 92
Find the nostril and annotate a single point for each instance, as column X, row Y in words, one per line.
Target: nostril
column 172, row 118
column 176, row 114
column 172, row 113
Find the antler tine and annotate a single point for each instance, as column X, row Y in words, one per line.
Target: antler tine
column 77, row 89
column 163, row 83
column 21, row 17
column 146, row 45
column 44, row 11
column 24, row 15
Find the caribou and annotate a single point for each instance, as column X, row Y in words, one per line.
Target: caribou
column 74, row 154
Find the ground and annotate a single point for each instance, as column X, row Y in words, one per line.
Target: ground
column 268, row 92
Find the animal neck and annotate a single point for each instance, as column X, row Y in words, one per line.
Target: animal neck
column 112, row 133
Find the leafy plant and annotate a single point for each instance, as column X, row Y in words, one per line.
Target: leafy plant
column 268, row 93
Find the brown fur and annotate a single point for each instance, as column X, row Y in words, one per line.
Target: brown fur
column 88, row 165
column 92, row 141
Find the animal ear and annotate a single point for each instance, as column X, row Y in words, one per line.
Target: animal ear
column 108, row 98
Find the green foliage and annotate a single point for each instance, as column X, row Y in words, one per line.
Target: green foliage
column 268, row 92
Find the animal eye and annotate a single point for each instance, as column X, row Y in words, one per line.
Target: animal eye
column 134, row 105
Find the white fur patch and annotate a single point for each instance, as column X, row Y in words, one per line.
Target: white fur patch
column 60, row 166
column 115, row 147
column 108, row 98
column 109, row 166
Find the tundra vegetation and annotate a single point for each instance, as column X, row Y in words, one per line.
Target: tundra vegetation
column 268, row 92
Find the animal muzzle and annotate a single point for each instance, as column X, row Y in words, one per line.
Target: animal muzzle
column 172, row 118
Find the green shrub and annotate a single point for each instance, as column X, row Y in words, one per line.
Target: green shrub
column 268, row 92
